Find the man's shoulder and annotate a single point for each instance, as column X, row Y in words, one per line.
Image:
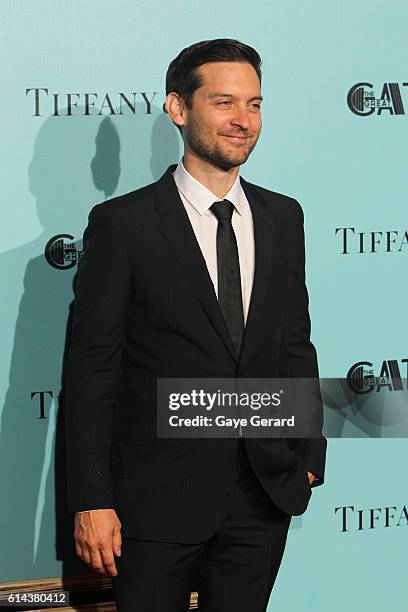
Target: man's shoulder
column 275, row 201
column 136, row 202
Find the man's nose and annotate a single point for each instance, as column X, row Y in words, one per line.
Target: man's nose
column 241, row 117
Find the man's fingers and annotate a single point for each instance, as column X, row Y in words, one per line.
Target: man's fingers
column 109, row 561
column 96, row 561
column 117, row 543
column 86, row 556
column 311, row 477
column 82, row 552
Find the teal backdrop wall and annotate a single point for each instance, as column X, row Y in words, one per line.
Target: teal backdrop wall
column 347, row 168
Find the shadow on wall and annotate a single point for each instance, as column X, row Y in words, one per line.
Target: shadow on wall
column 77, row 162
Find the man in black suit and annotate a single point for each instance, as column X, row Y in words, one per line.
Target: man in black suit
column 198, row 275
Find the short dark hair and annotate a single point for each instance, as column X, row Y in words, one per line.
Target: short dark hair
column 182, row 74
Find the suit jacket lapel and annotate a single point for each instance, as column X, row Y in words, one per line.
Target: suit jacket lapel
column 179, row 234
column 265, row 241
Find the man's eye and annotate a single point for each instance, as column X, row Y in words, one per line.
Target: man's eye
column 224, row 102
column 257, row 106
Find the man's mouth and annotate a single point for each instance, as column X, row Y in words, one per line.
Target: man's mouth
column 236, row 137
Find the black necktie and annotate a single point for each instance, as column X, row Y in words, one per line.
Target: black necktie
column 229, row 278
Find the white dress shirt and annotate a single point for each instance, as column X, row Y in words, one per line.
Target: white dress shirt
column 197, row 200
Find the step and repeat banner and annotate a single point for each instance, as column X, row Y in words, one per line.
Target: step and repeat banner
column 82, row 120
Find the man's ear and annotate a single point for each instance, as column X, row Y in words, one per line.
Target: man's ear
column 175, row 108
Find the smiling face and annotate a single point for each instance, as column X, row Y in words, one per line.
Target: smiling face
column 224, row 122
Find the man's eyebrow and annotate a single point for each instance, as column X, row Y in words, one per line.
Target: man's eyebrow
column 220, row 94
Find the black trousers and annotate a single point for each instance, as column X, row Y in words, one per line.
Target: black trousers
column 233, row 571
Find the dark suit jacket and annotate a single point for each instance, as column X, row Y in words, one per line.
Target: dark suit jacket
column 145, row 308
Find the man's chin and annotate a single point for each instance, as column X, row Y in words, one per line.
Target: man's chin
column 226, row 162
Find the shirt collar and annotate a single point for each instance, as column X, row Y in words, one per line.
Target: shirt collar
column 202, row 198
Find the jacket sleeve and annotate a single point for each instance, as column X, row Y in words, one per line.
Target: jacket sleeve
column 93, row 361
column 297, row 357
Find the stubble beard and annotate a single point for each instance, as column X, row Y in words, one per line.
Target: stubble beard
column 199, row 140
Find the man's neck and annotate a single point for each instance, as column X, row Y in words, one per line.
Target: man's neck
column 215, row 179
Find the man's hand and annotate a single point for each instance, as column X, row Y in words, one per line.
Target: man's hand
column 311, row 477
column 98, row 539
